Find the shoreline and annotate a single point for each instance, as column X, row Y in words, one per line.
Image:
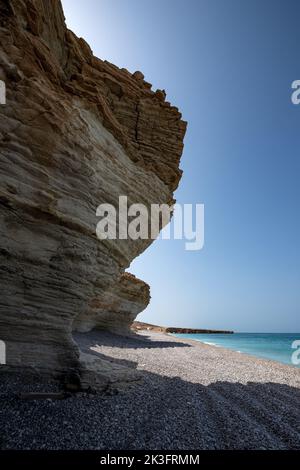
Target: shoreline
column 190, row 396
column 293, row 366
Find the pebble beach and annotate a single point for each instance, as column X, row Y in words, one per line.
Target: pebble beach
column 190, row 396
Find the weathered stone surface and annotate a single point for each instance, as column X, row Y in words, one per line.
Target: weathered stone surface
column 75, row 132
column 116, row 307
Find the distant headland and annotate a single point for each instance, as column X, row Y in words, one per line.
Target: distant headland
column 137, row 325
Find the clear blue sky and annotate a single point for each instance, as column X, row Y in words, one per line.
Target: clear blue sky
column 228, row 66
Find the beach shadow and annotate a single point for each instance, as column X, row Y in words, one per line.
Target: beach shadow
column 161, row 413
column 158, row 412
column 132, row 340
column 172, row 413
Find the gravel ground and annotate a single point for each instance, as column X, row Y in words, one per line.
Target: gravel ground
column 192, row 396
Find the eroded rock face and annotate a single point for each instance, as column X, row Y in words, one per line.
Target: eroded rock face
column 75, row 132
column 115, row 308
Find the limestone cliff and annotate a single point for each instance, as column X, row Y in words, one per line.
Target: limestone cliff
column 75, row 132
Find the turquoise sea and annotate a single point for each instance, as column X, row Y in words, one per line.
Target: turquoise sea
column 276, row 346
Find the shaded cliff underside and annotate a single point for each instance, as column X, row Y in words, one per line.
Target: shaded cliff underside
column 75, row 132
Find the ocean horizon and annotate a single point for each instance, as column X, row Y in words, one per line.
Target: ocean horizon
column 275, row 346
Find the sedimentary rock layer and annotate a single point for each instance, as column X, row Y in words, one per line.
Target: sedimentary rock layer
column 116, row 307
column 75, row 132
